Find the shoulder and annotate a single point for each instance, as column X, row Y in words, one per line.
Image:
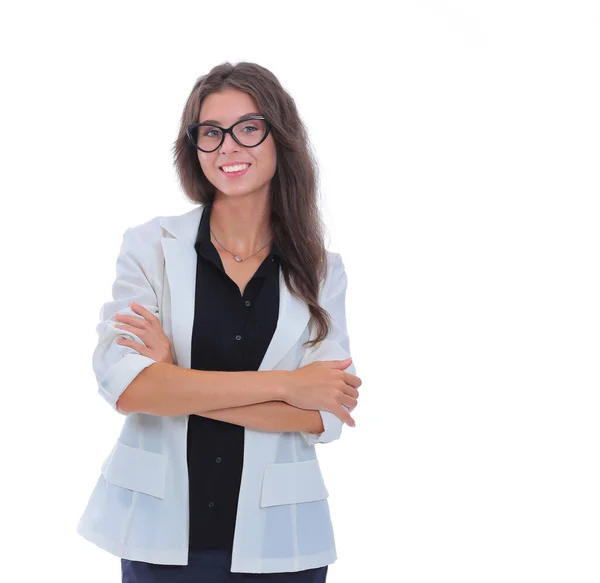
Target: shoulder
column 145, row 239
column 331, row 256
column 142, row 244
column 147, row 230
column 142, row 241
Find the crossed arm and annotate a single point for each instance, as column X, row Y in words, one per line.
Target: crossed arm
column 270, row 416
column 117, row 364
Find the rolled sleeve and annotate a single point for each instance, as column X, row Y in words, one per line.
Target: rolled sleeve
column 332, row 429
column 120, row 375
column 336, row 346
column 116, row 365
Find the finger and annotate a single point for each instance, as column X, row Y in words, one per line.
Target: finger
column 144, row 312
column 137, row 321
column 141, row 333
column 143, row 350
column 345, row 416
column 352, row 380
column 350, row 391
column 349, row 402
column 337, row 363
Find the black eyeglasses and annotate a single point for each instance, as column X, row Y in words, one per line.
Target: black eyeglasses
column 249, row 132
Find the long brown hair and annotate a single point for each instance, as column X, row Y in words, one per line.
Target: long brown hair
column 296, row 222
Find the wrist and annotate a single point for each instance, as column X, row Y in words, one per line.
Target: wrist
column 282, row 384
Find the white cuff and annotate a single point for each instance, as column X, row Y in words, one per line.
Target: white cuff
column 119, row 376
column 333, row 429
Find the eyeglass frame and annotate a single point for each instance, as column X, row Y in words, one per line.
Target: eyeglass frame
column 225, row 131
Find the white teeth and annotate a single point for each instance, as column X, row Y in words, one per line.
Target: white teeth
column 235, row 168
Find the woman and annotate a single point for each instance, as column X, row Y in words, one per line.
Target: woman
column 225, row 348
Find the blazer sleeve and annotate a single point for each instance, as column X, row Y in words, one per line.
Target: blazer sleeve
column 336, row 346
column 115, row 365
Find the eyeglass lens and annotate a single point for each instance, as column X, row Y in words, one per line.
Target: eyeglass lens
column 249, row 132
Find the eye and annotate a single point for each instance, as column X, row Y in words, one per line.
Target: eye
column 249, row 126
column 208, row 133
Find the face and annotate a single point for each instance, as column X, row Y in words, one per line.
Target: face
column 226, row 107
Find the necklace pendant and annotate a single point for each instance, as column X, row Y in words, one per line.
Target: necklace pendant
column 237, row 258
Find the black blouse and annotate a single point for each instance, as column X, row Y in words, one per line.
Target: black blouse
column 231, row 332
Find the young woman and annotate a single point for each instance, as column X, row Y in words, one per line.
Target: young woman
column 226, row 349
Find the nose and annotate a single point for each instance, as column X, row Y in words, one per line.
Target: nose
column 229, row 144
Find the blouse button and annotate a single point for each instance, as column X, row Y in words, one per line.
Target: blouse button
column 238, row 337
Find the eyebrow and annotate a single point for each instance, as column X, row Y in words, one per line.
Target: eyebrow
column 238, row 119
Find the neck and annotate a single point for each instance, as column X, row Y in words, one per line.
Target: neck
column 241, row 223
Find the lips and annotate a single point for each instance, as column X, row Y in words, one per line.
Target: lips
column 236, row 173
column 234, row 164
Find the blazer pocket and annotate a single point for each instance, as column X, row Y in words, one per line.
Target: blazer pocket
column 292, row 482
column 136, row 469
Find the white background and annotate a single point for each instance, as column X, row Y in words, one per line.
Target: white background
column 458, row 144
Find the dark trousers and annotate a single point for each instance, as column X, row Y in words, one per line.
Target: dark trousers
column 210, row 566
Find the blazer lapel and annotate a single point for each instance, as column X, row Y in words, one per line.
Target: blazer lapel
column 177, row 239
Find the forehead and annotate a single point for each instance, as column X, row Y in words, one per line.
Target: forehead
column 226, row 107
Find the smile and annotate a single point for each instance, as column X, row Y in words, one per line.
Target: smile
column 236, row 170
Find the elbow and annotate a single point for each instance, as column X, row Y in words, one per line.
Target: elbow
column 318, row 426
column 129, row 401
column 124, row 382
column 122, row 405
column 332, row 430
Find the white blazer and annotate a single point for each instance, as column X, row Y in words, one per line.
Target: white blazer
column 138, row 508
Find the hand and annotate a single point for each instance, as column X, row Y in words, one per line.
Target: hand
column 149, row 329
column 325, row 385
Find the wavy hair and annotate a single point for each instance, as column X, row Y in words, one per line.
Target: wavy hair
column 297, row 226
